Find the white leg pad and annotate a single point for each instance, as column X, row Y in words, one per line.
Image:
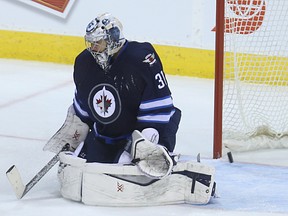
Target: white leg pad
column 125, row 185
column 70, row 176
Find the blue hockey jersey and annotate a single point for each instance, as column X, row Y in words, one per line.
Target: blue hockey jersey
column 132, row 94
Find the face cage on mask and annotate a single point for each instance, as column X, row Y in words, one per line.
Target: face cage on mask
column 102, row 58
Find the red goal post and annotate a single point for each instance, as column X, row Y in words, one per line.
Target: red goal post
column 251, row 75
column 218, row 91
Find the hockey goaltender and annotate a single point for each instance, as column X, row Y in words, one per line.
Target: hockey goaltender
column 121, row 128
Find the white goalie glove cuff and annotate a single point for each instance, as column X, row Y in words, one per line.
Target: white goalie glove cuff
column 151, row 134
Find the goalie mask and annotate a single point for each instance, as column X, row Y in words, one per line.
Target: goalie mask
column 104, row 38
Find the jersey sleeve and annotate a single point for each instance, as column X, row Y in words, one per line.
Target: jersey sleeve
column 156, row 107
column 79, row 79
column 80, row 112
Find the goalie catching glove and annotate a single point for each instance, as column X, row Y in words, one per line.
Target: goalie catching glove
column 73, row 132
column 152, row 159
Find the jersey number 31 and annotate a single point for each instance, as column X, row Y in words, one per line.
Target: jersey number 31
column 161, row 80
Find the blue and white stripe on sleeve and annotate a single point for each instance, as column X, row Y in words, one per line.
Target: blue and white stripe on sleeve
column 156, row 104
column 159, row 110
column 78, row 108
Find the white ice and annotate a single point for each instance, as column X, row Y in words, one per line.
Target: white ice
column 33, row 104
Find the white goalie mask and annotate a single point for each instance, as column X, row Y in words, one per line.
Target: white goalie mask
column 104, row 38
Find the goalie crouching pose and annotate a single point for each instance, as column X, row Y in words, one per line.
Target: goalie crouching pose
column 122, row 127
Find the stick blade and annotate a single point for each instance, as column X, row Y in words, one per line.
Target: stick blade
column 15, row 180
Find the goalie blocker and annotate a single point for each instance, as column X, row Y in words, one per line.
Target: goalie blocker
column 125, row 185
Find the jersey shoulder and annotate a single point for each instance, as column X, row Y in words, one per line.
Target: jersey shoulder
column 84, row 56
column 139, row 50
column 144, row 55
column 140, row 46
column 84, row 62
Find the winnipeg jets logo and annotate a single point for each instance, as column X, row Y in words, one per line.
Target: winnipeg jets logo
column 150, row 59
column 104, row 102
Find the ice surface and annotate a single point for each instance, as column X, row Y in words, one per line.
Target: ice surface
column 33, row 104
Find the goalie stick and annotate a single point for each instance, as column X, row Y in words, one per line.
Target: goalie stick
column 15, row 180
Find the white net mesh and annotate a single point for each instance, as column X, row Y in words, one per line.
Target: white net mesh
column 255, row 103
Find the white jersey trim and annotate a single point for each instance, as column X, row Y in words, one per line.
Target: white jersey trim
column 161, row 118
column 79, row 109
column 157, row 103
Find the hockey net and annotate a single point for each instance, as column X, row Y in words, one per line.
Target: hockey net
column 255, row 74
